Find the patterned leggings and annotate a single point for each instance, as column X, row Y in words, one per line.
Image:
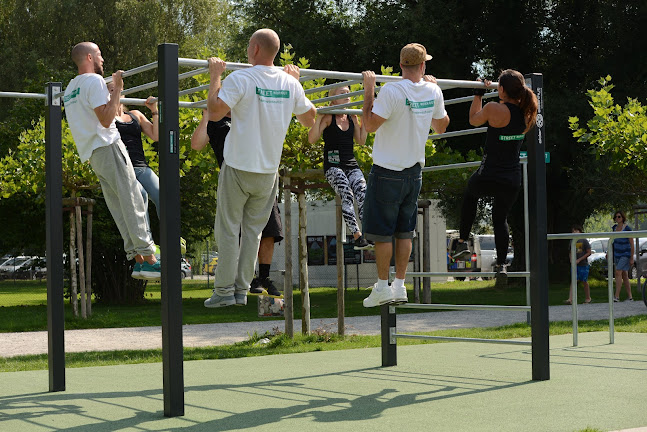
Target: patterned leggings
column 348, row 184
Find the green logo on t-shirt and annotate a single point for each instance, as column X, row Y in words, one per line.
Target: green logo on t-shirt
column 283, row 94
column 510, row 137
column 420, row 105
column 72, row 95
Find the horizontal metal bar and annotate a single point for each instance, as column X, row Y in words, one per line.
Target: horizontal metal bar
column 461, row 339
column 470, row 98
column 328, row 110
column 193, row 90
column 461, row 165
column 458, row 133
column 23, row 95
column 150, row 85
column 133, row 71
column 610, row 235
column 439, row 306
column 466, row 273
column 332, row 86
column 142, row 102
column 345, row 105
column 338, row 96
column 443, row 83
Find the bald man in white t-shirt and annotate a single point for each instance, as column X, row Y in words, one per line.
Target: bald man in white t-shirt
column 262, row 100
column 402, row 115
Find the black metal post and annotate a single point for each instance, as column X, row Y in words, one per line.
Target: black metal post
column 54, row 240
column 536, row 139
column 389, row 347
column 169, row 142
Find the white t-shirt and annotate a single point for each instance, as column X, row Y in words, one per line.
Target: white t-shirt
column 262, row 100
column 83, row 94
column 408, row 108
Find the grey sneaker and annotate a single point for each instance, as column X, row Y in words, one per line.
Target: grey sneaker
column 216, row 301
column 461, row 249
column 501, row 275
column 241, row 299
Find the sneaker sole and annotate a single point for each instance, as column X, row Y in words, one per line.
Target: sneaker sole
column 369, row 247
column 150, row 275
column 222, row 304
column 137, row 276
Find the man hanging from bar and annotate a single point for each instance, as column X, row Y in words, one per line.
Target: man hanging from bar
column 91, row 115
column 401, row 115
column 262, row 100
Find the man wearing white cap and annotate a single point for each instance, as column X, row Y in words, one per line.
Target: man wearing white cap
column 401, row 117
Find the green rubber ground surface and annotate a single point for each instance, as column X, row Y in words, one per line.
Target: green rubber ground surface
column 439, row 387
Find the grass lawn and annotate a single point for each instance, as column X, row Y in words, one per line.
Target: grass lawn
column 23, row 304
column 319, row 340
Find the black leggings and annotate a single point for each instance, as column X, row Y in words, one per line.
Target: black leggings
column 505, row 194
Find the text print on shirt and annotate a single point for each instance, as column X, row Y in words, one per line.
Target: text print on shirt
column 272, row 96
column 419, row 108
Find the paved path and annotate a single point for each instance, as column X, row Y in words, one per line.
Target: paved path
column 13, row 344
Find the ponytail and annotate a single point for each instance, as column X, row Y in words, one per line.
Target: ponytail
column 529, row 106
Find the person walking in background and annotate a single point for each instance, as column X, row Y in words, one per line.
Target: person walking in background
column 582, row 252
column 340, row 167
column 401, row 115
column 623, row 256
column 262, row 100
column 499, row 175
column 91, row 113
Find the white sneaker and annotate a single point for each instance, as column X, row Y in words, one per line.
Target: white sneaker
column 379, row 297
column 400, row 293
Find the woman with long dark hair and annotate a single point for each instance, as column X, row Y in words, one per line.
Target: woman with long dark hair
column 499, row 175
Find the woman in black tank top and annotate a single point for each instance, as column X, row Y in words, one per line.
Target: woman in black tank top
column 499, row 175
column 131, row 125
column 340, row 167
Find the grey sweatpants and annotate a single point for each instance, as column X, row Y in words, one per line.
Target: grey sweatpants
column 121, row 190
column 245, row 200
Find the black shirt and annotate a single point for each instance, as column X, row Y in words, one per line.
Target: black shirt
column 502, row 146
column 338, row 146
column 217, row 132
column 131, row 135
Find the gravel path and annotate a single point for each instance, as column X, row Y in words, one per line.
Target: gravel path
column 14, row 344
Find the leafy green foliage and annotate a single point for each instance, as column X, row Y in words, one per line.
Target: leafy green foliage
column 618, row 131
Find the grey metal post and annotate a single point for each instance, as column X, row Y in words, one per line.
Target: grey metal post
column 389, row 346
column 574, row 290
column 169, row 143
column 526, row 231
column 536, row 140
column 610, row 289
column 54, row 239
column 426, row 264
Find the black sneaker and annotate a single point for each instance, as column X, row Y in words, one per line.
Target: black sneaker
column 255, row 287
column 270, row 289
column 461, row 249
column 361, row 243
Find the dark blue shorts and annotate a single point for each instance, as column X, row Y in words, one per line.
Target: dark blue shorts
column 583, row 273
column 391, row 203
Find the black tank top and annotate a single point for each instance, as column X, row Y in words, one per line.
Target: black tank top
column 338, row 146
column 502, row 146
column 131, row 135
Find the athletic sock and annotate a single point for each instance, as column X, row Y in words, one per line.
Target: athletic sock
column 264, row 271
column 398, row 282
column 382, row 284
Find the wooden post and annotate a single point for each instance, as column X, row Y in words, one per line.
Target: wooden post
column 288, row 308
column 74, row 294
column 79, row 248
column 340, row 267
column 303, row 265
column 88, row 262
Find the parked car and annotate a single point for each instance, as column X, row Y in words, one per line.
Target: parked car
column 20, row 267
column 482, row 257
column 185, row 268
column 598, row 257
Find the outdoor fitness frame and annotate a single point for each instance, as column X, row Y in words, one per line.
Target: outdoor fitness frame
column 171, row 289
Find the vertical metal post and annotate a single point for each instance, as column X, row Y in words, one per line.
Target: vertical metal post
column 54, row 240
column 526, row 231
column 169, row 143
column 574, row 290
column 389, row 346
column 426, row 259
column 287, row 226
column 536, row 139
column 611, row 294
column 340, row 267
